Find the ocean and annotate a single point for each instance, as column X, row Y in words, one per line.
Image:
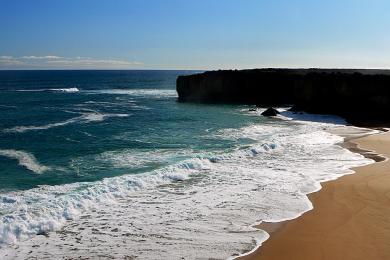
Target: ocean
column 107, row 164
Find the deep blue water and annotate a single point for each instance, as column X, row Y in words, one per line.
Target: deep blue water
column 52, row 133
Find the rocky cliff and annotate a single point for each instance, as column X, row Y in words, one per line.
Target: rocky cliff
column 354, row 94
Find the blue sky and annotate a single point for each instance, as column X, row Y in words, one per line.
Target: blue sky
column 193, row 34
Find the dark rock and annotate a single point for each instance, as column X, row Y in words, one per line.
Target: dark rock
column 270, row 112
column 356, row 95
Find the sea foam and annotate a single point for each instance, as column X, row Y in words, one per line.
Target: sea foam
column 67, row 90
column 84, row 118
column 47, row 208
column 205, row 205
column 157, row 93
column 25, row 159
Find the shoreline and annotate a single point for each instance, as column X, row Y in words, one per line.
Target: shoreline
column 271, row 227
column 308, row 236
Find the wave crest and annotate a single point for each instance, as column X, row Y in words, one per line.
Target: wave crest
column 25, row 159
column 157, row 93
column 47, row 208
column 67, row 90
column 84, row 118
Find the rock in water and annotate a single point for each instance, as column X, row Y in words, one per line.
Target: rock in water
column 270, row 112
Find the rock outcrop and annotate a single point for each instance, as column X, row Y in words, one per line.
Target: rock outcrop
column 354, row 94
column 270, row 112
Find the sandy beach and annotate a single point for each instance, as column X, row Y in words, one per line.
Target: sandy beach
column 350, row 219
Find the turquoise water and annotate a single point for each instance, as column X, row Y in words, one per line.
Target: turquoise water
column 114, row 162
column 67, row 131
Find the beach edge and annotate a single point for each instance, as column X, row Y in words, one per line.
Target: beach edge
column 316, row 233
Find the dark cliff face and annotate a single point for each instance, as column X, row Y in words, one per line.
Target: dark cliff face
column 245, row 87
column 354, row 94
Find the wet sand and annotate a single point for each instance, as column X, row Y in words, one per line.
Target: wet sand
column 350, row 219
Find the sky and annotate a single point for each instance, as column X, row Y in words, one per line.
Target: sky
column 194, row 34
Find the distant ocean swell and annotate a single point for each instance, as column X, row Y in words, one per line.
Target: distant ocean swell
column 265, row 181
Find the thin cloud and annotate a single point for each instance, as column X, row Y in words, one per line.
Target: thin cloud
column 6, row 60
column 92, row 62
column 6, row 57
column 48, row 57
column 58, row 62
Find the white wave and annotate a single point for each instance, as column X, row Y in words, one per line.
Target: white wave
column 303, row 117
column 68, row 90
column 84, row 118
column 22, row 129
column 25, row 159
column 158, row 93
column 254, row 132
column 266, row 147
column 47, row 208
column 329, row 120
column 129, row 158
column 206, row 206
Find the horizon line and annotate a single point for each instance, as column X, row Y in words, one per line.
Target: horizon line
column 180, row 69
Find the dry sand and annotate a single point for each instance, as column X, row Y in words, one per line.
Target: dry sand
column 350, row 219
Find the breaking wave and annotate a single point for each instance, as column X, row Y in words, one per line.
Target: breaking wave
column 25, row 159
column 84, row 118
column 67, row 90
column 210, row 198
column 157, row 93
column 270, row 171
column 47, row 208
